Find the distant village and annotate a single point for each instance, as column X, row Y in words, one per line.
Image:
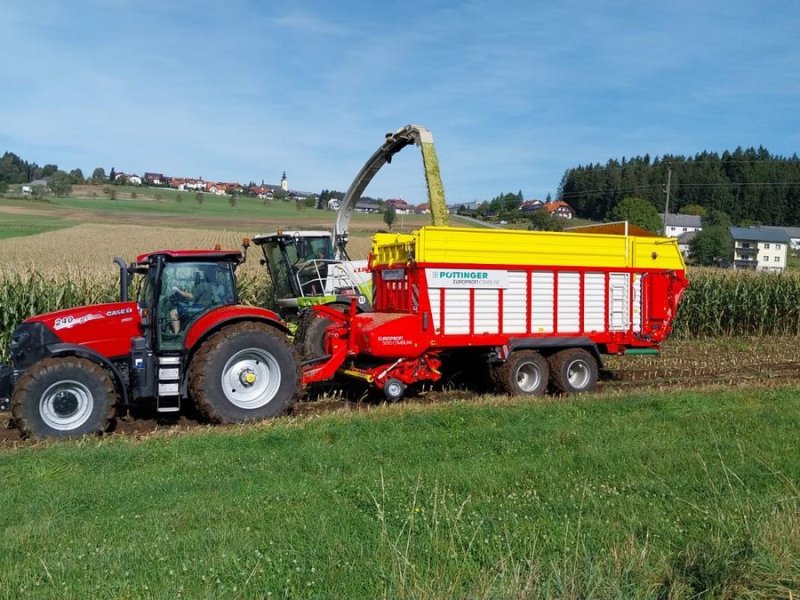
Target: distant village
column 264, row 191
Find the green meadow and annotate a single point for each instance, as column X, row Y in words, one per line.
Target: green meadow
column 686, row 495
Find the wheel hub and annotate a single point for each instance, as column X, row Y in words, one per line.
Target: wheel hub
column 248, row 377
column 65, row 404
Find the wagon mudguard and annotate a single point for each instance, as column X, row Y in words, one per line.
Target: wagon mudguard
column 559, row 342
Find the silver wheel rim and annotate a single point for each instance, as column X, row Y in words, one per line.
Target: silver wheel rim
column 251, row 378
column 394, row 389
column 579, row 374
column 529, row 377
column 66, row 405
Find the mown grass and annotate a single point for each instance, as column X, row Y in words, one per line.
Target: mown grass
column 23, row 225
column 686, row 495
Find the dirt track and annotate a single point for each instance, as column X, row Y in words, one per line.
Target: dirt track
column 752, row 363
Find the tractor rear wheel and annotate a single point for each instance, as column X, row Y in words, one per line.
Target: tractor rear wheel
column 244, row 372
column 525, row 372
column 64, row 397
column 573, row 371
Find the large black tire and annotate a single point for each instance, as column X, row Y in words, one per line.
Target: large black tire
column 311, row 342
column 573, row 371
column 64, row 397
column 525, row 372
column 244, row 372
column 310, row 338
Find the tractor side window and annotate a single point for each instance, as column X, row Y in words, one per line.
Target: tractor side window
column 189, row 290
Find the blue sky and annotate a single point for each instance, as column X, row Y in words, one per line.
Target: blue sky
column 514, row 92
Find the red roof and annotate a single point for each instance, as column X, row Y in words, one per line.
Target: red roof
column 552, row 207
column 189, row 254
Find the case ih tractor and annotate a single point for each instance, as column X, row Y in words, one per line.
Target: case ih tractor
column 184, row 337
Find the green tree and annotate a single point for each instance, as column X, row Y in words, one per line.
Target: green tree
column 98, row 175
column 716, row 217
column 541, row 220
column 13, row 169
column 713, row 245
column 61, row 184
column 637, row 211
column 389, row 215
column 693, row 209
column 47, row 171
column 76, row 175
column 198, row 197
column 232, row 199
column 3, row 187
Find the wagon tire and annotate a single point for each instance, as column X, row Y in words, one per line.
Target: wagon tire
column 525, row 372
column 310, row 338
column 573, row 371
column 244, row 372
column 64, row 397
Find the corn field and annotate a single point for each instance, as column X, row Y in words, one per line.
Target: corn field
column 717, row 302
column 732, row 303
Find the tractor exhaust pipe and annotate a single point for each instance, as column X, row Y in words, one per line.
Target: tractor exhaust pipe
column 123, row 278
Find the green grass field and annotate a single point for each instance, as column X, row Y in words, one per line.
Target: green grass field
column 215, row 212
column 687, row 495
column 23, row 225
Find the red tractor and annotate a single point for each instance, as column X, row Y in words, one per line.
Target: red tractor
column 184, row 337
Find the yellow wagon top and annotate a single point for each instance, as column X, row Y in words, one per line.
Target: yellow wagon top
column 613, row 247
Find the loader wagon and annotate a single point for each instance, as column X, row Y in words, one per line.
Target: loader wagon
column 537, row 309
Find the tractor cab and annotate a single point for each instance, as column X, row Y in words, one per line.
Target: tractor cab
column 178, row 287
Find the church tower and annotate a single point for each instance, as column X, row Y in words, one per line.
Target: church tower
column 284, row 183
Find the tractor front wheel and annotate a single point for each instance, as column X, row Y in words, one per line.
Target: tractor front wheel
column 244, row 372
column 63, row 397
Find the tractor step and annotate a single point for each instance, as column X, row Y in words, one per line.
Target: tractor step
column 168, row 399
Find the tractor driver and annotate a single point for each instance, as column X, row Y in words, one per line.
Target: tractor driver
column 199, row 299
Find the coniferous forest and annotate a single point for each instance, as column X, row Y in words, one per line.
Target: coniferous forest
column 750, row 185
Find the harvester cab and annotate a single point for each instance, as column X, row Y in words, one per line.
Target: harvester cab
column 304, row 271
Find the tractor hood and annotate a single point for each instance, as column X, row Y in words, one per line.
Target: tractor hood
column 105, row 328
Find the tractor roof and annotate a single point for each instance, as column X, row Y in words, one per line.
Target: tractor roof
column 181, row 255
column 290, row 233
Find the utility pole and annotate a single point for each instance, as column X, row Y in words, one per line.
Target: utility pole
column 666, row 204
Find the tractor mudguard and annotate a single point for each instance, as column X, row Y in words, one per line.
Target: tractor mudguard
column 225, row 315
column 56, row 350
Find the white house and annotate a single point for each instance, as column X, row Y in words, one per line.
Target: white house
column 680, row 224
column 792, row 232
column 759, row 249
